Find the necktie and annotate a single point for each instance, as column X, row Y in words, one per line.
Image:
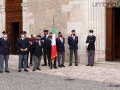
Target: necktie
column 74, row 38
column 39, row 43
column 61, row 39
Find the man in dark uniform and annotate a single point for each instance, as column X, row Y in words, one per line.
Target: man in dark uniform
column 37, row 51
column 45, row 47
column 90, row 44
column 73, row 46
column 49, row 45
column 4, row 51
column 60, row 49
column 22, row 45
column 27, row 51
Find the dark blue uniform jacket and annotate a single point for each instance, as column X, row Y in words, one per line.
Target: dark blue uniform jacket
column 22, row 44
column 60, row 45
column 73, row 44
column 4, row 46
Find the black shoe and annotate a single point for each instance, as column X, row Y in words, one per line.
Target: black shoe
column 28, row 67
column 7, row 71
column 70, row 65
column 22, row 67
column 76, row 64
column 91, row 65
column 19, row 70
column 26, row 70
column 60, row 66
column 88, row 65
column 44, row 65
column 38, row 69
column 33, row 69
column 55, row 67
column 1, row 71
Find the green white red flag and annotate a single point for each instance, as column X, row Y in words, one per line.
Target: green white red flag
column 53, row 49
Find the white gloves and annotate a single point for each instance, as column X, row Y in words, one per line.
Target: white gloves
column 86, row 44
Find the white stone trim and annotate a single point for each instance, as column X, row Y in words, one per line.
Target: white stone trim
column 2, row 16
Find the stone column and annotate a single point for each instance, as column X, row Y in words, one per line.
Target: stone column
column 97, row 23
column 25, row 18
column 2, row 18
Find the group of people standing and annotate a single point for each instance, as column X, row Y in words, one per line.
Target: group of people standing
column 38, row 46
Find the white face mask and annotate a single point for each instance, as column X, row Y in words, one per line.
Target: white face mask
column 34, row 35
column 22, row 36
column 90, row 34
column 5, row 36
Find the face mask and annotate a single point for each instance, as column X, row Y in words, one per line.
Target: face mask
column 38, row 39
column 22, row 36
column 91, row 34
column 45, row 34
column 73, row 34
column 60, row 35
column 34, row 35
column 50, row 36
column 5, row 36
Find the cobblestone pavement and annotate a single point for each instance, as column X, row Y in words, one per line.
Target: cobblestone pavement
column 103, row 76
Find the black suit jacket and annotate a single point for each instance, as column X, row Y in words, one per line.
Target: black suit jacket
column 37, row 50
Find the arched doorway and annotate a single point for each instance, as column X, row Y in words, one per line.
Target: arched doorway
column 13, row 11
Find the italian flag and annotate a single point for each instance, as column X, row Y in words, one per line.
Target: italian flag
column 53, row 49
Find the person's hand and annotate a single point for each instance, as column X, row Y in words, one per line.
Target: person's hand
column 30, row 43
column 43, row 41
column 21, row 49
column 25, row 49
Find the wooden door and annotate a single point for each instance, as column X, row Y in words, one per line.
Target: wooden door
column 113, row 33
column 13, row 10
column 109, row 38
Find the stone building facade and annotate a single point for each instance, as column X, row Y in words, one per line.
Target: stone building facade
column 80, row 15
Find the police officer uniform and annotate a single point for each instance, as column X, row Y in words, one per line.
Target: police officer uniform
column 22, row 43
column 28, row 49
column 90, row 44
column 37, row 51
column 60, row 41
column 45, row 48
column 4, row 52
column 73, row 46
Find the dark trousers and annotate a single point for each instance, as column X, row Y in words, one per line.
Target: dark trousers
column 37, row 60
column 2, row 58
column 23, row 60
column 22, row 57
column 59, row 57
column 71, row 56
column 50, row 60
column 91, row 54
column 31, row 56
column 45, row 54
